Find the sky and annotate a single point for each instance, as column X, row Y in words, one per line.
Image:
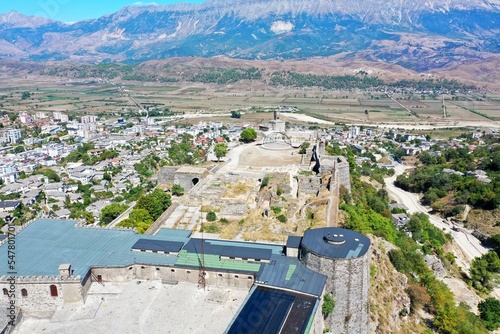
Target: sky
column 74, row 10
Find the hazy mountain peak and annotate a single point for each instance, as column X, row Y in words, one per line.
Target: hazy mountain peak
column 16, row 19
column 417, row 34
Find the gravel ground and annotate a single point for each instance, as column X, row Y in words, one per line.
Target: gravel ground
column 144, row 307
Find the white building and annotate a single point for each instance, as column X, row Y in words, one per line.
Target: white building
column 25, row 118
column 88, row 119
column 59, row 116
column 8, row 173
column 11, row 136
column 40, row 115
column 51, row 129
column 354, row 132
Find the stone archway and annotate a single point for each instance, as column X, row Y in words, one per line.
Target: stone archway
column 195, row 181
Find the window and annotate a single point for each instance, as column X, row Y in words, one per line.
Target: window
column 142, row 267
column 24, row 293
column 172, row 270
column 5, row 292
column 99, row 278
column 158, row 269
column 53, row 290
column 220, row 275
column 236, row 276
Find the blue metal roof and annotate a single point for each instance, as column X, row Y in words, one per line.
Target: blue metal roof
column 293, row 241
column 236, row 249
column 158, row 245
column 290, row 273
column 273, row 311
column 335, row 243
column 45, row 244
column 173, row 234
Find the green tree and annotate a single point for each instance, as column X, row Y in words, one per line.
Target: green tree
column 19, row 149
column 248, row 135
column 51, row 175
column 141, row 215
column 111, row 212
column 25, row 95
column 489, row 311
column 155, row 203
column 89, row 217
column 211, row 216
column 483, row 270
column 106, row 177
column 177, row 190
column 220, row 150
column 305, row 145
column 235, row 114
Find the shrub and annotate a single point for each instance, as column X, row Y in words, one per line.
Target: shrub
column 210, row 228
column 276, row 209
column 489, row 310
column 177, row 190
column 282, row 218
column 211, row 216
column 328, row 305
column 265, row 182
column 279, row 191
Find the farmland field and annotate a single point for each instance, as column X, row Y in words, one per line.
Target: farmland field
column 255, row 102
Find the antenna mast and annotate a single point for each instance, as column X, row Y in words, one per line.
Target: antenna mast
column 201, row 277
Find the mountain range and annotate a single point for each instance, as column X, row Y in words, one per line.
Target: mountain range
column 418, row 34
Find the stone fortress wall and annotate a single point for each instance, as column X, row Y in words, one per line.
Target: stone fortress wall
column 40, row 300
column 348, row 283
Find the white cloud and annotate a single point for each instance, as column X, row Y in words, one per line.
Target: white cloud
column 142, row 4
column 281, row 27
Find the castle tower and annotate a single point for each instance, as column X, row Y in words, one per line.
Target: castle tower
column 343, row 256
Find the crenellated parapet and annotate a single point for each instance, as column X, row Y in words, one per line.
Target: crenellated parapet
column 41, row 279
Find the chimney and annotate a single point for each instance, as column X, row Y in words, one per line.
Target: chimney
column 65, row 270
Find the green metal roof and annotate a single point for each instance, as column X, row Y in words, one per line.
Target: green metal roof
column 212, row 261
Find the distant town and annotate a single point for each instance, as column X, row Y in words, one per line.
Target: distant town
column 51, row 162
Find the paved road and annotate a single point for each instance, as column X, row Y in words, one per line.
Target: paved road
column 470, row 246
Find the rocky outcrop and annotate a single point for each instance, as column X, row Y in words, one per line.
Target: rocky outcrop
column 389, row 302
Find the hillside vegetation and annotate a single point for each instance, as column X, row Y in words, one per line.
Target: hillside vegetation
column 451, row 180
column 408, row 258
column 229, row 75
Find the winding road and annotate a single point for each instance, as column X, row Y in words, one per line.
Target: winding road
column 469, row 245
